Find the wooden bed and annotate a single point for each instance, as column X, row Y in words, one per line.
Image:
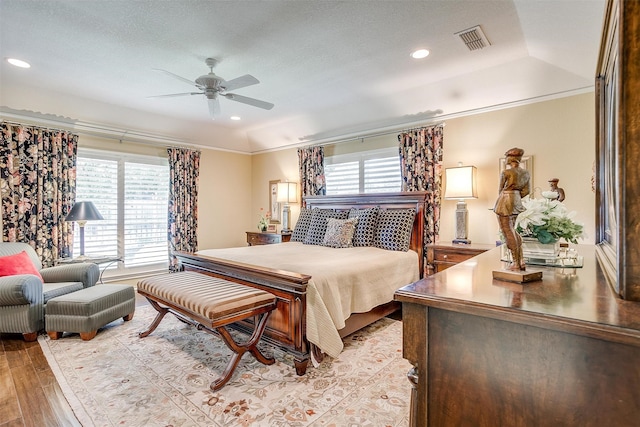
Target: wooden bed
column 286, row 328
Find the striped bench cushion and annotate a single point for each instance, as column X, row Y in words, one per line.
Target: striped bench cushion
column 205, row 296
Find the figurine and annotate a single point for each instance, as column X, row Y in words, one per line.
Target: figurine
column 554, row 187
column 514, row 185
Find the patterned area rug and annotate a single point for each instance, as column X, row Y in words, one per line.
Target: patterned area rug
column 163, row 380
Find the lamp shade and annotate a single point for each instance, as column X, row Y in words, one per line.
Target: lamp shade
column 84, row 211
column 287, row 192
column 460, row 183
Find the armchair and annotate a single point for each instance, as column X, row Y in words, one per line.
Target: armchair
column 23, row 297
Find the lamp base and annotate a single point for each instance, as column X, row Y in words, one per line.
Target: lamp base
column 461, row 241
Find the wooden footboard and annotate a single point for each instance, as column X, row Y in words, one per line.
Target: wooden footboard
column 286, row 328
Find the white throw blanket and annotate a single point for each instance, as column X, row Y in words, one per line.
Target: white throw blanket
column 343, row 281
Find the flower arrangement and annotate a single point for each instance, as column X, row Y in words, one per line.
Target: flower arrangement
column 264, row 220
column 548, row 220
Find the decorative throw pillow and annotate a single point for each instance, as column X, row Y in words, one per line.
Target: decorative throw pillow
column 318, row 226
column 21, row 263
column 302, row 226
column 340, row 232
column 394, row 229
column 366, row 228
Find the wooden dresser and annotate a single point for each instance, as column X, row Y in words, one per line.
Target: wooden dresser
column 441, row 256
column 258, row 238
column 563, row 351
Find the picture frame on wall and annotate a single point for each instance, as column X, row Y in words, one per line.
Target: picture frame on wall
column 274, row 206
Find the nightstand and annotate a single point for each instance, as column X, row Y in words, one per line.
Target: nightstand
column 258, row 238
column 441, row 256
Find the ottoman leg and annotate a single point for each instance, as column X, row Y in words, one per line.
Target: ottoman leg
column 88, row 336
column 54, row 335
column 128, row 317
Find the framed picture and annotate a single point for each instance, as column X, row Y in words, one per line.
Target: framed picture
column 274, row 206
column 526, row 163
column 271, row 228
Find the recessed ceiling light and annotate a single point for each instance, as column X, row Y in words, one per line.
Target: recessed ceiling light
column 420, row 53
column 18, row 63
column 235, row 117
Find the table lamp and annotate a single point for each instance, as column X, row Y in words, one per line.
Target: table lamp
column 81, row 213
column 460, row 185
column 287, row 193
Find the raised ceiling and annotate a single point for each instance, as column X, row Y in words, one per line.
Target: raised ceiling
column 332, row 68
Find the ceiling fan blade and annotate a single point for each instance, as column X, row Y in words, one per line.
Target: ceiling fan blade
column 242, row 81
column 169, row 73
column 249, row 101
column 175, row 94
column 214, row 107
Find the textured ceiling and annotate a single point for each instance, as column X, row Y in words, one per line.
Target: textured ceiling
column 331, row 68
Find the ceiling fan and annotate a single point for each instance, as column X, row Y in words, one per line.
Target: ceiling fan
column 211, row 85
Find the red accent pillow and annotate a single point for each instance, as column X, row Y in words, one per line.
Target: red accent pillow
column 21, row 263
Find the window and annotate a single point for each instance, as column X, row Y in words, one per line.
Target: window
column 376, row 171
column 131, row 192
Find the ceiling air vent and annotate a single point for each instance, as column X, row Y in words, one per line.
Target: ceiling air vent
column 474, row 38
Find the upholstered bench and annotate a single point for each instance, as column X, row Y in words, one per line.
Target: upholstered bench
column 209, row 304
column 89, row 309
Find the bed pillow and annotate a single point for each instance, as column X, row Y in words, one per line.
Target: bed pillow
column 302, row 226
column 394, row 229
column 21, row 263
column 340, row 232
column 318, row 226
column 366, row 228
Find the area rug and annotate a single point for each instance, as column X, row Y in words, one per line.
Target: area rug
column 118, row 379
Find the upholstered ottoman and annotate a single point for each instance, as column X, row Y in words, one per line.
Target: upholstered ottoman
column 87, row 310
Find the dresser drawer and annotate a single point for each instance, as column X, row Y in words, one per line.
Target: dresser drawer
column 257, row 238
column 451, row 256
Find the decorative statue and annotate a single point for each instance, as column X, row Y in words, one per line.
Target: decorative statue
column 514, row 185
column 553, row 182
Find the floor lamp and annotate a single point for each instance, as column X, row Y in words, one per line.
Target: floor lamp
column 460, row 185
column 81, row 213
column 287, row 193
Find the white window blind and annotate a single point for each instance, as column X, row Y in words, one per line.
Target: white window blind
column 131, row 193
column 375, row 171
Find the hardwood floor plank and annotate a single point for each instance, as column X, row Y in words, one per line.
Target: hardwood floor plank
column 9, row 406
column 36, row 410
column 60, row 406
column 13, row 423
column 15, row 352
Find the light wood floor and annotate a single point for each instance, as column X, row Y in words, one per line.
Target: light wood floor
column 30, row 396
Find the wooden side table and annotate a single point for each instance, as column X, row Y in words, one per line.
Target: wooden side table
column 258, row 238
column 441, row 256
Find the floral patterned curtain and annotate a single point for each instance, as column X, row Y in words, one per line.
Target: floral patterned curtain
column 311, row 164
column 184, row 167
column 38, row 188
column 421, row 169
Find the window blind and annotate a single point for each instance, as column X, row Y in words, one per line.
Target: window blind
column 375, row 171
column 131, row 193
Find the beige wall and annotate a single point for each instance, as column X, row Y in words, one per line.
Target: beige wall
column 559, row 135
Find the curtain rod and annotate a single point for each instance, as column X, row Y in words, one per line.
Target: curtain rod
column 353, row 137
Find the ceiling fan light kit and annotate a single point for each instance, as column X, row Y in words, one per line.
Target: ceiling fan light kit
column 211, row 85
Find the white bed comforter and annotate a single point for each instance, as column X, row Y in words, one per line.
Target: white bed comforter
column 343, row 281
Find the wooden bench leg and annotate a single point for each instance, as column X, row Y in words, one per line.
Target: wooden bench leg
column 240, row 349
column 161, row 313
